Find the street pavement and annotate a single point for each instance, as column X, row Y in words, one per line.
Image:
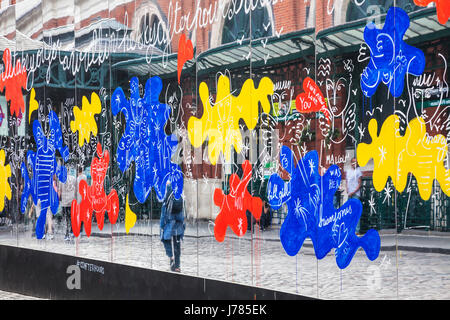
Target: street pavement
column 5, row 295
column 411, row 265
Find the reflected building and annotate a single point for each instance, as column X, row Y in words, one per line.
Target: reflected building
column 72, row 48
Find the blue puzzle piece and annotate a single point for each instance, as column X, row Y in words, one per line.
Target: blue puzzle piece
column 44, row 167
column 309, row 199
column 145, row 142
column 390, row 57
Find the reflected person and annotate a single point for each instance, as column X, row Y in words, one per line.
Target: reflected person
column 354, row 182
column 172, row 226
column 67, row 192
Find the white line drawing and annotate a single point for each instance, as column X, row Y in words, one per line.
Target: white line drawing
column 239, row 41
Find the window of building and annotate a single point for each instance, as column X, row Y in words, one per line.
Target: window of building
column 369, row 8
column 239, row 25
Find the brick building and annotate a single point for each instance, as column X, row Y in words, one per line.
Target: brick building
column 285, row 40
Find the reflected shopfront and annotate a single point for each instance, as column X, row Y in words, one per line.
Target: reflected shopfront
column 231, row 106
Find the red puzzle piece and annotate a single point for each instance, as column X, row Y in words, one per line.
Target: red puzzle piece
column 312, row 100
column 185, row 53
column 442, row 8
column 94, row 198
column 12, row 81
column 233, row 206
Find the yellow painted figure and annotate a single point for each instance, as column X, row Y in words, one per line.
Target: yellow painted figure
column 34, row 105
column 220, row 122
column 5, row 173
column 396, row 156
column 130, row 217
column 84, row 121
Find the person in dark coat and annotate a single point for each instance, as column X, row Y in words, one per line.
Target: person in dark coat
column 172, row 228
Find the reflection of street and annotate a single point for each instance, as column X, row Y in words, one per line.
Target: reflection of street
column 5, row 295
column 423, row 261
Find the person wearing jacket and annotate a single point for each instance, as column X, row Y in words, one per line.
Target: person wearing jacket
column 172, row 228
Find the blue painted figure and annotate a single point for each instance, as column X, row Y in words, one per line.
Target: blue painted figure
column 311, row 213
column 44, row 166
column 145, row 142
column 391, row 58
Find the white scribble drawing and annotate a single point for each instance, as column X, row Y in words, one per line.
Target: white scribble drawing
column 422, row 88
column 364, row 53
column 361, row 131
column 374, row 277
column 372, row 205
column 264, row 42
column 239, row 41
column 324, row 67
column 348, row 65
column 347, row 115
column 278, row 33
column 387, row 192
column 408, row 190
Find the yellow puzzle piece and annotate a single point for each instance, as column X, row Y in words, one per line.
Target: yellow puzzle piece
column 34, row 105
column 220, row 122
column 84, row 119
column 5, row 173
column 396, row 156
column 130, row 217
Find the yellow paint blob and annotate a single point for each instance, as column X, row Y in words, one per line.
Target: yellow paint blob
column 220, row 122
column 396, row 156
column 84, row 121
column 34, row 105
column 5, row 173
column 130, row 217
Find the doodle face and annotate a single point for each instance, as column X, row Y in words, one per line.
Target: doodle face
column 391, row 58
column 220, row 122
column 342, row 113
column 396, row 156
column 233, row 207
column 44, row 166
column 334, row 92
column 145, row 142
column 309, row 199
column 94, row 198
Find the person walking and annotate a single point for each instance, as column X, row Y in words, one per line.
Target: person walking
column 80, row 176
column 172, row 226
column 67, row 191
column 354, row 182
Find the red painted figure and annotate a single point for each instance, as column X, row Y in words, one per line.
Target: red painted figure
column 312, row 99
column 442, row 8
column 94, row 198
column 233, row 207
column 12, row 80
column 185, row 53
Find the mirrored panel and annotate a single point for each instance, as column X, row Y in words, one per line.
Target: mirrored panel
column 300, row 146
column 10, row 215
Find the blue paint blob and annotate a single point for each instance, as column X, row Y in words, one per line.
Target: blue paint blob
column 391, row 58
column 311, row 214
column 145, row 142
column 44, row 166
